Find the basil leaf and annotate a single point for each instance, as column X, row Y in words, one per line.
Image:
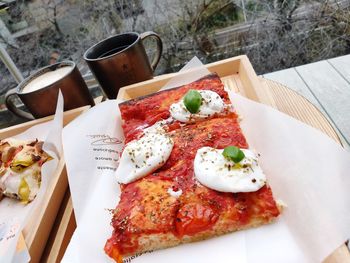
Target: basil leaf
column 233, row 153
column 193, row 101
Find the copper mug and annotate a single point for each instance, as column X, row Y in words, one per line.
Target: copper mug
column 39, row 92
column 121, row 60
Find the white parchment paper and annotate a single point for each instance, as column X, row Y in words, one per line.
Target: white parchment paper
column 14, row 214
column 305, row 168
column 92, row 144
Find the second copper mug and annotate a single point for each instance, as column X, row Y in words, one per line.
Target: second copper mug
column 121, row 60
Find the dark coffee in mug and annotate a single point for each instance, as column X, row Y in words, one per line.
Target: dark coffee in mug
column 121, row 60
column 113, row 51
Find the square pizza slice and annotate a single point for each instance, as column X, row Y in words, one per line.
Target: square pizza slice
column 192, row 193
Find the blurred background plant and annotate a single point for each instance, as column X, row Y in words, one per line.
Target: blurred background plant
column 275, row 34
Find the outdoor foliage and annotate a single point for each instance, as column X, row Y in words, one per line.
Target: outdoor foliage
column 275, row 34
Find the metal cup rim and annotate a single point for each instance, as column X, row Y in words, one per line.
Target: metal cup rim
column 41, row 71
column 85, row 56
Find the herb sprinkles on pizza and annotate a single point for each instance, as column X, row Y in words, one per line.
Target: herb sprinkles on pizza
column 186, row 172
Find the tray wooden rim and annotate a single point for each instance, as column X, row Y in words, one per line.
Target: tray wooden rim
column 238, row 64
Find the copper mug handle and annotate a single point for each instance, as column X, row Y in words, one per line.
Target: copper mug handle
column 159, row 42
column 12, row 107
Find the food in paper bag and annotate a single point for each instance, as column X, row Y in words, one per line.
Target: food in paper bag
column 186, row 171
column 20, row 170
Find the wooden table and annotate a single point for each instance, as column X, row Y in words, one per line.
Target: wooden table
column 271, row 93
column 327, row 85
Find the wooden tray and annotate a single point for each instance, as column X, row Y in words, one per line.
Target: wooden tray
column 238, row 75
column 37, row 229
column 277, row 96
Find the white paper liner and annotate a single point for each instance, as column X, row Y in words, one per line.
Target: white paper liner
column 305, row 168
column 92, row 150
column 14, row 214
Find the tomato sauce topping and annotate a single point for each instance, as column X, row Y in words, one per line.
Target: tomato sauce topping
column 146, row 111
column 193, row 218
column 146, row 207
